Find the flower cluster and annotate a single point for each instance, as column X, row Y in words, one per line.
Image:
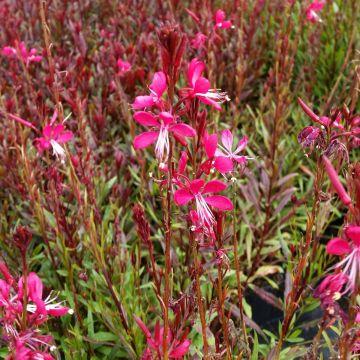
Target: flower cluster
column 164, row 120
column 23, row 309
column 340, row 125
column 177, row 348
column 22, row 53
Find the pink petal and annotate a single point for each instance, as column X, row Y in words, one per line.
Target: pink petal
column 208, row 101
column 210, row 144
column 57, row 130
column 65, row 137
column 158, row 84
column 226, row 24
column 353, row 232
column 183, row 130
column 35, row 287
column 196, row 185
column 242, row 144
column 357, row 318
column 219, row 16
column 214, row 186
column 142, row 102
column 8, row 51
column 48, row 132
column 4, row 291
column 142, row 326
column 61, row 311
column 182, row 196
column 182, row 162
column 195, row 70
column 180, row 350
column 145, row 139
column 166, row 117
column 42, row 144
column 240, row 159
column 227, row 139
column 333, row 176
column 223, row 164
column 202, row 85
column 219, row 202
column 146, row 119
column 338, row 246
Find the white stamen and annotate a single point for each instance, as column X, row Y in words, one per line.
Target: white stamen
column 58, row 150
column 162, row 144
column 205, row 214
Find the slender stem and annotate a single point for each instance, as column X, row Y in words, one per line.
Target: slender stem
column 238, row 280
column 167, row 225
column 199, row 298
column 25, row 273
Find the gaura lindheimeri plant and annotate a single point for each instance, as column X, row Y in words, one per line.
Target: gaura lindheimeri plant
column 21, row 329
column 20, row 52
column 176, row 348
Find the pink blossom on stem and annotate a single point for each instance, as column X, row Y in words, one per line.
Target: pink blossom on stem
column 25, row 55
column 177, row 348
column 123, row 66
column 351, row 263
column 313, row 9
column 199, row 87
column 198, row 41
column 39, row 307
column 221, row 163
column 330, row 290
column 165, row 125
column 197, row 190
column 220, row 23
column 53, row 136
column 226, row 149
column 157, row 89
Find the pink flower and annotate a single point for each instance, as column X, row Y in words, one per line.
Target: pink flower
column 177, row 348
column 198, row 41
column 161, row 136
column 53, row 136
column 36, row 305
column 199, row 87
column 311, row 136
column 197, row 190
column 351, row 263
column 313, row 9
column 157, row 89
column 220, row 23
column 26, row 56
column 226, row 149
column 30, row 345
column 221, row 163
column 123, row 66
column 330, row 290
